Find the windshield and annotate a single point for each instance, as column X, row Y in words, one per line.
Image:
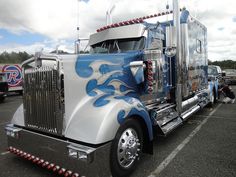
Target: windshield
column 118, row 45
column 212, row 71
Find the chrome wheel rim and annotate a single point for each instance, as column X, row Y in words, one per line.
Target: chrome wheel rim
column 128, row 148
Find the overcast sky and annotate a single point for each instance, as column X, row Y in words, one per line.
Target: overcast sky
column 28, row 25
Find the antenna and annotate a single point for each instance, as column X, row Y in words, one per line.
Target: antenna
column 57, row 49
column 77, row 41
column 108, row 15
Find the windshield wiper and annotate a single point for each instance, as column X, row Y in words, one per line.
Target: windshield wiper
column 116, row 44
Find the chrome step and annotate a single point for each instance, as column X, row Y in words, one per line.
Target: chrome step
column 166, row 119
column 171, row 125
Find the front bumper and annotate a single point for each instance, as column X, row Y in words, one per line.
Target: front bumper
column 56, row 151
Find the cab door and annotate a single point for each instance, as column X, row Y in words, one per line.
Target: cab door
column 154, row 61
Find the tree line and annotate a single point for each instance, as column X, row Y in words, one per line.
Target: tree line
column 225, row 64
column 14, row 57
column 19, row 57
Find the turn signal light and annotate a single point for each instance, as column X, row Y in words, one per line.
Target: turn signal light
column 36, row 160
column 56, row 168
column 40, row 162
column 68, row 173
column 50, row 166
column 61, row 171
column 43, row 163
column 75, row 175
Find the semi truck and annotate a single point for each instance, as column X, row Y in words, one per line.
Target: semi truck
column 14, row 76
column 98, row 112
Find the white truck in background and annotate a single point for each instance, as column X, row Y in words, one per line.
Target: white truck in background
column 14, row 76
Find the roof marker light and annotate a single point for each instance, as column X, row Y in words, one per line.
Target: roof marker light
column 126, row 23
column 135, row 20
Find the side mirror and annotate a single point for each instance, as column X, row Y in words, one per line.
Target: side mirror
column 170, row 51
column 223, row 74
column 137, row 70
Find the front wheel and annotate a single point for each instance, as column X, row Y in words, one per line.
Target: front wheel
column 126, row 148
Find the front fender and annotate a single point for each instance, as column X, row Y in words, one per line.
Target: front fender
column 96, row 125
column 18, row 117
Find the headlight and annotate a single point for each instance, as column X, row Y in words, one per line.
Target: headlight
column 80, row 152
column 12, row 131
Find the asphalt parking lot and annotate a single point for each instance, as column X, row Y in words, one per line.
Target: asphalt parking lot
column 205, row 146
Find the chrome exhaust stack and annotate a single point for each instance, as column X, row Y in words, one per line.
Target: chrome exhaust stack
column 179, row 62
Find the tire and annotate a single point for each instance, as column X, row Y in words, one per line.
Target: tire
column 2, row 98
column 123, row 159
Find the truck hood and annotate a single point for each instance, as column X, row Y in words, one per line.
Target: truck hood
column 94, row 87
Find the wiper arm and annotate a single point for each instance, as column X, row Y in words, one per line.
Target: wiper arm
column 116, row 44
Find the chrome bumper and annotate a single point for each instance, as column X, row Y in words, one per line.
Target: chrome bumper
column 52, row 152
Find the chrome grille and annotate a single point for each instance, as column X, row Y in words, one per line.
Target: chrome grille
column 43, row 105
